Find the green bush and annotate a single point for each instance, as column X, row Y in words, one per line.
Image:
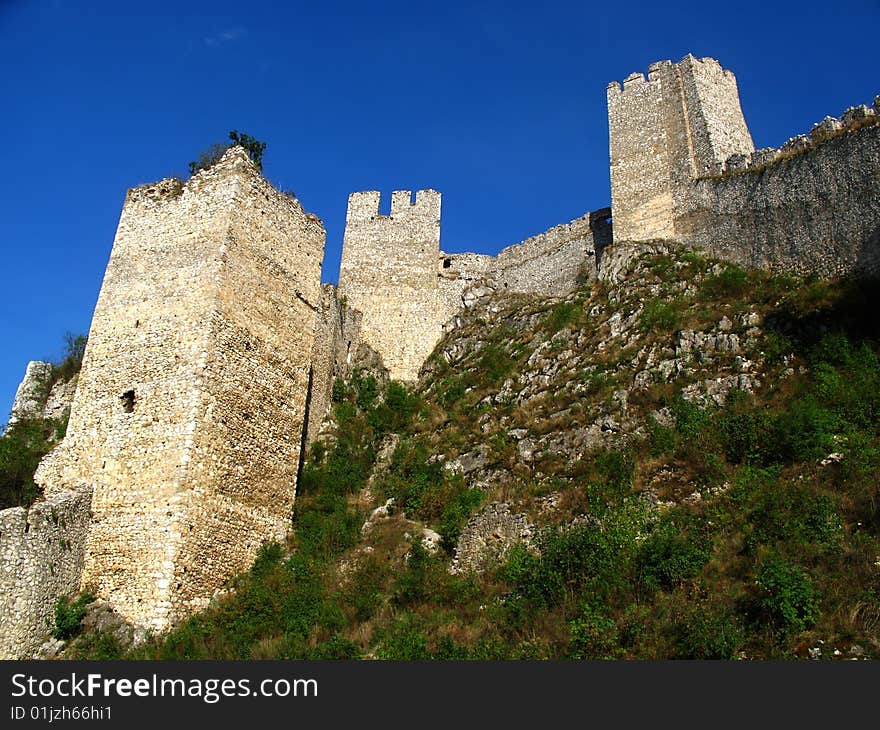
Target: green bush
column 661, row 439
column 659, row 316
column 404, row 640
column 22, row 447
column 494, row 363
column 709, row 633
column 669, row 556
column 786, row 595
column 412, row 585
column 337, row 647
column 456, row 514
column 69, row 615
column 71, row 362
column 593, row 635
column 562, row 315
column 575, row 560
column 732, row 281
column 211, row 156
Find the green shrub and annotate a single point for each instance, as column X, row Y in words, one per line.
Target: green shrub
column 709, row 633
column 732, row 281
column 366, row 390
column 22, row 447
column 659, row 316
column 661, row 439
column 211, row 156
column 562, row 315
column 669, row 556
column 71, row 362
column 577, row 559
column 69, row 615
column 494, row 363
column 456, row 514
column 593, row 635
column 340, row 391
column 404, row 640
column 786, row 595
column 412, row 585
column 336, row 647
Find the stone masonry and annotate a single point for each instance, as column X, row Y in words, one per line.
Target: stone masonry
column 41, row 554
column 213, row 348
column 188, row 417
column 680, row 122
column 389, row 273
column 394, row 272
column 684, row 169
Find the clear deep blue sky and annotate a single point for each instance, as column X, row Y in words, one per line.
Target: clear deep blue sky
column 499, row 105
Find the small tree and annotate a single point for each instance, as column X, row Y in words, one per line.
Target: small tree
column 253, row 147
column 208, row 157
column 212, row 155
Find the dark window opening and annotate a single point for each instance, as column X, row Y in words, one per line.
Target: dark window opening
column 127, row 399
column 137, row 323
column 27, row 527
column 447, row 263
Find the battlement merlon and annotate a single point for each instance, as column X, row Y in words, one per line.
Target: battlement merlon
column 364, row 206
column 636, row 81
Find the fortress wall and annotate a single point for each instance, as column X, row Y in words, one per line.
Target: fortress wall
column 207, row 309
column 813, row 211
column 148, row 339
column 255, row 381
column 641, row 188
column 553, row 262
column 716, row 125
column 680, row 122
column 389, row 273
column 41, row 555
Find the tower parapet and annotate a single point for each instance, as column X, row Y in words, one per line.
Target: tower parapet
column 389, row 273
column 680, row 123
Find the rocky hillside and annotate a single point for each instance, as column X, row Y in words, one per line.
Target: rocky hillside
column 677, row 462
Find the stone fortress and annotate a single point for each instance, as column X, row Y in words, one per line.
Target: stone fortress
column 213, row 347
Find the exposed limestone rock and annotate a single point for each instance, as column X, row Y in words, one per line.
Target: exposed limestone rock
column 32, row 393
column 488, row 537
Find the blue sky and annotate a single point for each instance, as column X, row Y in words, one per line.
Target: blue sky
column 499, row 105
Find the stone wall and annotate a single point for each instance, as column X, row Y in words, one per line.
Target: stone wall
column 814, row 211
column 41, row 557
column 188, row 416
column 389, row 273
column 684, row 169
column 680, row 122
column 408, row 290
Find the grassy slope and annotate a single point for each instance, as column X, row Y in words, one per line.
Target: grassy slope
column 756, row 549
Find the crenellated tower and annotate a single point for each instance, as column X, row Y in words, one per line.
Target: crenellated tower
column 679, row 124
column 389, row 272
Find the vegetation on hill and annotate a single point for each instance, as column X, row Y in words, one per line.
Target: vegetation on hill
column 694, row 450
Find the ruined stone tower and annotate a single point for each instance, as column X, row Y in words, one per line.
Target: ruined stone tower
column 683, row 122
column 188, row 415
column 389, row 272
